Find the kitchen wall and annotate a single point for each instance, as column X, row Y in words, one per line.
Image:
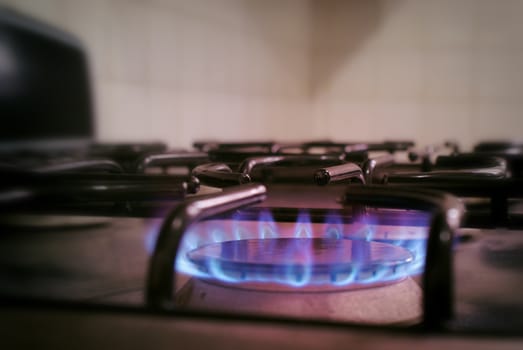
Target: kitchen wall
column 183, row 70
column 180, row 70
column 418, row 69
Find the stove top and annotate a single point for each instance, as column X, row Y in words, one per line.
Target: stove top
column 236, row 244
column 380, row 235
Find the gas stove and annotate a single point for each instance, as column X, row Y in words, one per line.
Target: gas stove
column 383, row 236
column 242, row 244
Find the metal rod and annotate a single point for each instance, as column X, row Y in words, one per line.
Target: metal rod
column 338, row 173
column 164, row 160
column 219, row 175
column 160, row 282
column 447, row 212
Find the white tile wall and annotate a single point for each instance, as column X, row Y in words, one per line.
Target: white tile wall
column 447, row 75
column 430, row 70
column 180, row 70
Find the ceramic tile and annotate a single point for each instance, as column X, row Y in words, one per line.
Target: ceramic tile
column 398, row 75
column 128, row 40
column 400, row 25
column 90, row 21
column 445, row 121
column 498, row 75
column 498, row 24
column 166, row 47
column 448, row 23
column 348, row 121
column 497, row 121
column 126, row 113
column 166, row 122
column 397, row 120
column 447, row 74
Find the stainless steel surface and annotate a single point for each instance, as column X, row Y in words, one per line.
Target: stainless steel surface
column 489, row 280
column 73, row 258
column 54, row 329
column 391, row 304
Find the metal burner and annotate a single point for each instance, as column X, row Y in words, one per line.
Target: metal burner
column 308, row 263
column 394, row 304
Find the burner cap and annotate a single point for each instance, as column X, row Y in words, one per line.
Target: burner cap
column 302, row 261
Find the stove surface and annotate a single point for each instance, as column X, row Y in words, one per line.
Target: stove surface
column 65, row 260
column 97, row 242
column 58, row 328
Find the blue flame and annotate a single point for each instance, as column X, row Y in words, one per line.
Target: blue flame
column 151, row 236
column 404, row 235
column 303, row 225
column 365, row 229
column 334, row 227
column 266, row 225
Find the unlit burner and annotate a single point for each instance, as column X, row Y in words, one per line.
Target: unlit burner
column 309, row 264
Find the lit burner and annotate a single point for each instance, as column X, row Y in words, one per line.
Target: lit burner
column 261, row 253
column 351, row 280
column 355, row 264
column 309, row 263
column 333, row 267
